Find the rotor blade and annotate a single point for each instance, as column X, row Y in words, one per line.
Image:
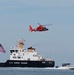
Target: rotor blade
column 39, row 23
column 44, row 24
column 47, row 24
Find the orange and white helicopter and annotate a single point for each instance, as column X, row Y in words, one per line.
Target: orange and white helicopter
column 40, row 28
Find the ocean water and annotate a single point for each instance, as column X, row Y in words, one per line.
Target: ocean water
column 35, row 71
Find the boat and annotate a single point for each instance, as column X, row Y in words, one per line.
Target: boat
column 21, row 57
column 67, row 66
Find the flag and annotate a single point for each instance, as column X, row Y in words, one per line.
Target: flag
column 2, row 49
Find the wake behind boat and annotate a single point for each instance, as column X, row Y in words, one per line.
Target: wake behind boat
column 20, row 57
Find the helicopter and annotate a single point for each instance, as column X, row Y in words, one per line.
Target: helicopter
column 40, row 28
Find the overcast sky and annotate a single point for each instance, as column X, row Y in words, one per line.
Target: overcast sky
column 57, row 43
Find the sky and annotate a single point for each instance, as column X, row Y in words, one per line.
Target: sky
column 57, row 43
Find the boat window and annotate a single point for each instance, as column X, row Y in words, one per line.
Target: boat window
column 35, row 55
column 23, row 54
column 14, row 54
column 14, row 57
column 16, row 51
column 28, row 59
column 22, row 50
column 19, row 57
column 11, row 51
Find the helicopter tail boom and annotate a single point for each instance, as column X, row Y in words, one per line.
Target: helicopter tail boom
column 31, row 29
